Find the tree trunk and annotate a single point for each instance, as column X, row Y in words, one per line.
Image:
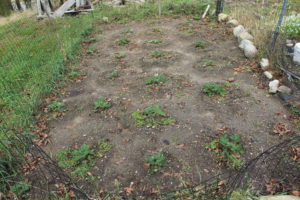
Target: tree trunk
column 5, row 7
column 28, row 3
column 18, row 5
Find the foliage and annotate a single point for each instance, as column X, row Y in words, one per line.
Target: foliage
column 214, row 89
column 155, row 41
column 102, row 104
column 56, row 106
column 152, row 116
column 103, row 147
column 90, row 40
column 209, row 63
column 78, row 161
column 291, row 26
column 20, row 188
column 294, row 110
column 156, row 54
column 123, row 41
column 156, row 79
column 228, row 149
column 156, row 161
column 112, row 75
column 200, row 44
column 120, row 55
column 242, row 195
column 90, row 49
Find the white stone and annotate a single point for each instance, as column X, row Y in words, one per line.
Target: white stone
column 223, row 17
column 238, row 30
column 233, row 22
column 296, row 57
column 279, row 197
column 245, row 36
column 268, row 75
column 273, row 86
column 250, row 51
column 243, row 43
column 284, row 89
column 264, row 63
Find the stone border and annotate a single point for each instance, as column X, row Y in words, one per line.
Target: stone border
column 250, row 51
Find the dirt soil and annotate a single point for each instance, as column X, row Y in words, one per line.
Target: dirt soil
column 246, row 110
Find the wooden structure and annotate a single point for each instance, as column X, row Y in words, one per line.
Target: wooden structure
column 45, row 8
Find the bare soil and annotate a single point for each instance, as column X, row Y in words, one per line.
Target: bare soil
column 246, row 110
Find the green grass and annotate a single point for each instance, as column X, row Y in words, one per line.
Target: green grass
column 228, row 150
column 152, row 116
column 156, row 79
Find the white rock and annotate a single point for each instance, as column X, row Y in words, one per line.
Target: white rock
column 273, row 86
column 279, row 197
column 296, row 57
column 245, row 36
column 238, row 30
column 268, row 75
column 264, row 63
column 243, row 43
column 250, row 51
column 233, row 22
column 284, row 89
column 223, row 17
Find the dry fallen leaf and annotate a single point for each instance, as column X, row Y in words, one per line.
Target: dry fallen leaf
column 179, row 146
column 281, row 128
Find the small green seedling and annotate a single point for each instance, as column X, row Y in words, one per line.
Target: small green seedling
column 90, row 49
column 228, row 149
column 155, row 162
column 200, row 44
column 152, row 116
column 156, row 30
column 156, row 79
column 113, row 75
column 155, row 41
column 209, row 63
column 156, row 54
column 214, row 90
column 90, row 40
column 120, row 56
column 103, row 147
column 56, row 106
column 123, row 41
column 294, row 110
column 20, row 189
column 102, row 104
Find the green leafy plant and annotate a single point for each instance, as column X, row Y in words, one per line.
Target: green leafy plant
column 90, row 49
column 152, row 116
column 78, row 161
column 214, row 89
column 200, row 44
column 90, row 40
column 228, row 149
column 209, row 63
column 294, row 110
column 155, row 41
column 103, row 147
column 291, row 26
column 102, row 104
column 242, row 195
column 156, row 79
column 56, row 106
column 123, row 41
column 120, row 56
column 156, row 54
column 155, row 162
column 20, row 189
column 113, row 75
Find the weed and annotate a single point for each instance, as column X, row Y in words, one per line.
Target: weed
column 209, row 63
column 152, row 116
column 156, row 161
column 102, row 104
column 174, row 139
column 73, row 75
column 90, row 49
column 157, row 30
column 294, row 110
column 120, row 56
column 155, row 41
column 20, row 189
column 78, row 161
column 241, row 195
column 56, row 106
column 90, row 40
column 228, row 149
column 200, row 44
column 214, row 89
column 103, row 147
column 156, row 54
column 123, row 41
column 156, row 79
column 113, row 75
